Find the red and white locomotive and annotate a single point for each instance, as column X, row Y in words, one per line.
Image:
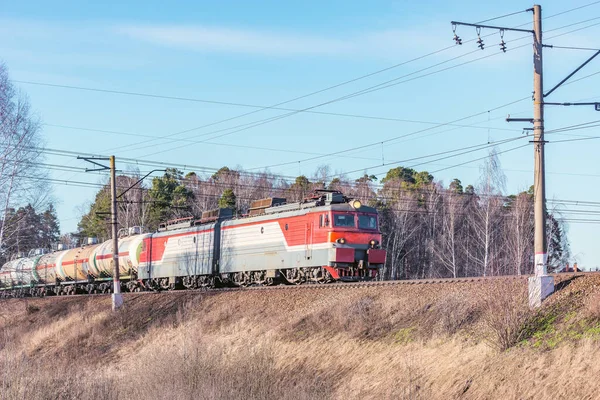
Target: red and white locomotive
column 325, row 238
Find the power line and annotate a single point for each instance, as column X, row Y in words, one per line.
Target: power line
column 364, row 76
column 462, row 150
column 191, row 141
column 572, row 9
column 575, row 140
column 377, row 143
column 383, row 85
column 571, row 48
column 468, row 149
column 502, row 16
column 582, row 124
column 395, row 199
column 261, row 107
column 421, row 137
column 252, row 124
column 479, row 159
column 391, row 139
column 380, row 86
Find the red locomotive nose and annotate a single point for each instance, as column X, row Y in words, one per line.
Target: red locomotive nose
column 349, row 237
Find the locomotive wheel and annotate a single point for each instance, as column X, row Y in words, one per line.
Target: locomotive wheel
column 325, row 276
column 190, row 282
column 258, row 277
column 206, row 281
column 292, row 276
column 241, row 279
column 164, row 284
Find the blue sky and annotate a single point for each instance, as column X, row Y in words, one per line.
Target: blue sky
column 263, row 53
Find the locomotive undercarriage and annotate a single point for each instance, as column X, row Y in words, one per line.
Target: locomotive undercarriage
column 290, row 276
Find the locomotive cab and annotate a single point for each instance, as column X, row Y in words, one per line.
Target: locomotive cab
column 355, row 240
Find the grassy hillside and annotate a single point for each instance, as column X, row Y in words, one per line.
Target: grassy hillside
column 468, row 340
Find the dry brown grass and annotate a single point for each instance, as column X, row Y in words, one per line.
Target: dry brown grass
column 405, row 342
column 592, row 306
column 505, row 313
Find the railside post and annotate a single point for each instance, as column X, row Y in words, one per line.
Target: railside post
column 541, row 285
column 117, row 298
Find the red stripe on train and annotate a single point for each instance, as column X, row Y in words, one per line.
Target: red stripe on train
column 105, row 256
column 74, row 261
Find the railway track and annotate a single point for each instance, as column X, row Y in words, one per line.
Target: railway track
column 345, row 285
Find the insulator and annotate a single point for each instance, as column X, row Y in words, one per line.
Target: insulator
column 480, row 43
column 457, row 39
column 503, row 46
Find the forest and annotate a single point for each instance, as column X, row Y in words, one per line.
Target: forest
column 429, row 230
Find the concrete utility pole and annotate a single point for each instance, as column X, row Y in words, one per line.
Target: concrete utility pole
column 540, row 285
column 539, row 179
column 117, row 298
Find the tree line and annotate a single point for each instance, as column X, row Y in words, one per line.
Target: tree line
column 429, row 230
column 27, row 217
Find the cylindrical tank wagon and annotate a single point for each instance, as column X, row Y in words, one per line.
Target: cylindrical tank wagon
column 45, row 269
column 85, row 269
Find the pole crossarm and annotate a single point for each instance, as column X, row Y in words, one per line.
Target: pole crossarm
column 530, row 120
column 141, row 179
column 501, row 28
column 571, row 74
column 93, row 161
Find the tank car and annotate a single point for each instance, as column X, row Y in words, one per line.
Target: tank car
column 102, row 267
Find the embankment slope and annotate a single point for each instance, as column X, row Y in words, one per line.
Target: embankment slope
column 475, row 340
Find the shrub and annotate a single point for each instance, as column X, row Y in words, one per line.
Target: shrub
column 506, row 315
column 450, row 313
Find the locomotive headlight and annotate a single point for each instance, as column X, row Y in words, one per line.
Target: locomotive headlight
column 373, row 243
column 341, row 240
column 356, row 204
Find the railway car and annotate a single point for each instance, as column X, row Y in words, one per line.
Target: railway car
column 102, row 266
column 324, row 238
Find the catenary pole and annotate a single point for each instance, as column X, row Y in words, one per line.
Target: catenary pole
column 539, row 181
column 117, row 298
column 541, row 285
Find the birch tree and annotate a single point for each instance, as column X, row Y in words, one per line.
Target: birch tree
column 486, row 215
column 21, row 179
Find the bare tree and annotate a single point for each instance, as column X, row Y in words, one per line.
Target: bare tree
column 447, row 250
column 486, row 215
column 400, row 226
column 519, row 233
column 21, row 178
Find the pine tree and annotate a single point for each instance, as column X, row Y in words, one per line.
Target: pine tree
column 228, row 199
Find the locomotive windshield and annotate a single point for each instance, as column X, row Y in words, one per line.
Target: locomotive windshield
column 344, row 220
column 367, row 222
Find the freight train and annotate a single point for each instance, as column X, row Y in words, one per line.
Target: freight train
column 325, row 238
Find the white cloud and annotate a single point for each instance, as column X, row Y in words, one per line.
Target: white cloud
column 228, row 40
